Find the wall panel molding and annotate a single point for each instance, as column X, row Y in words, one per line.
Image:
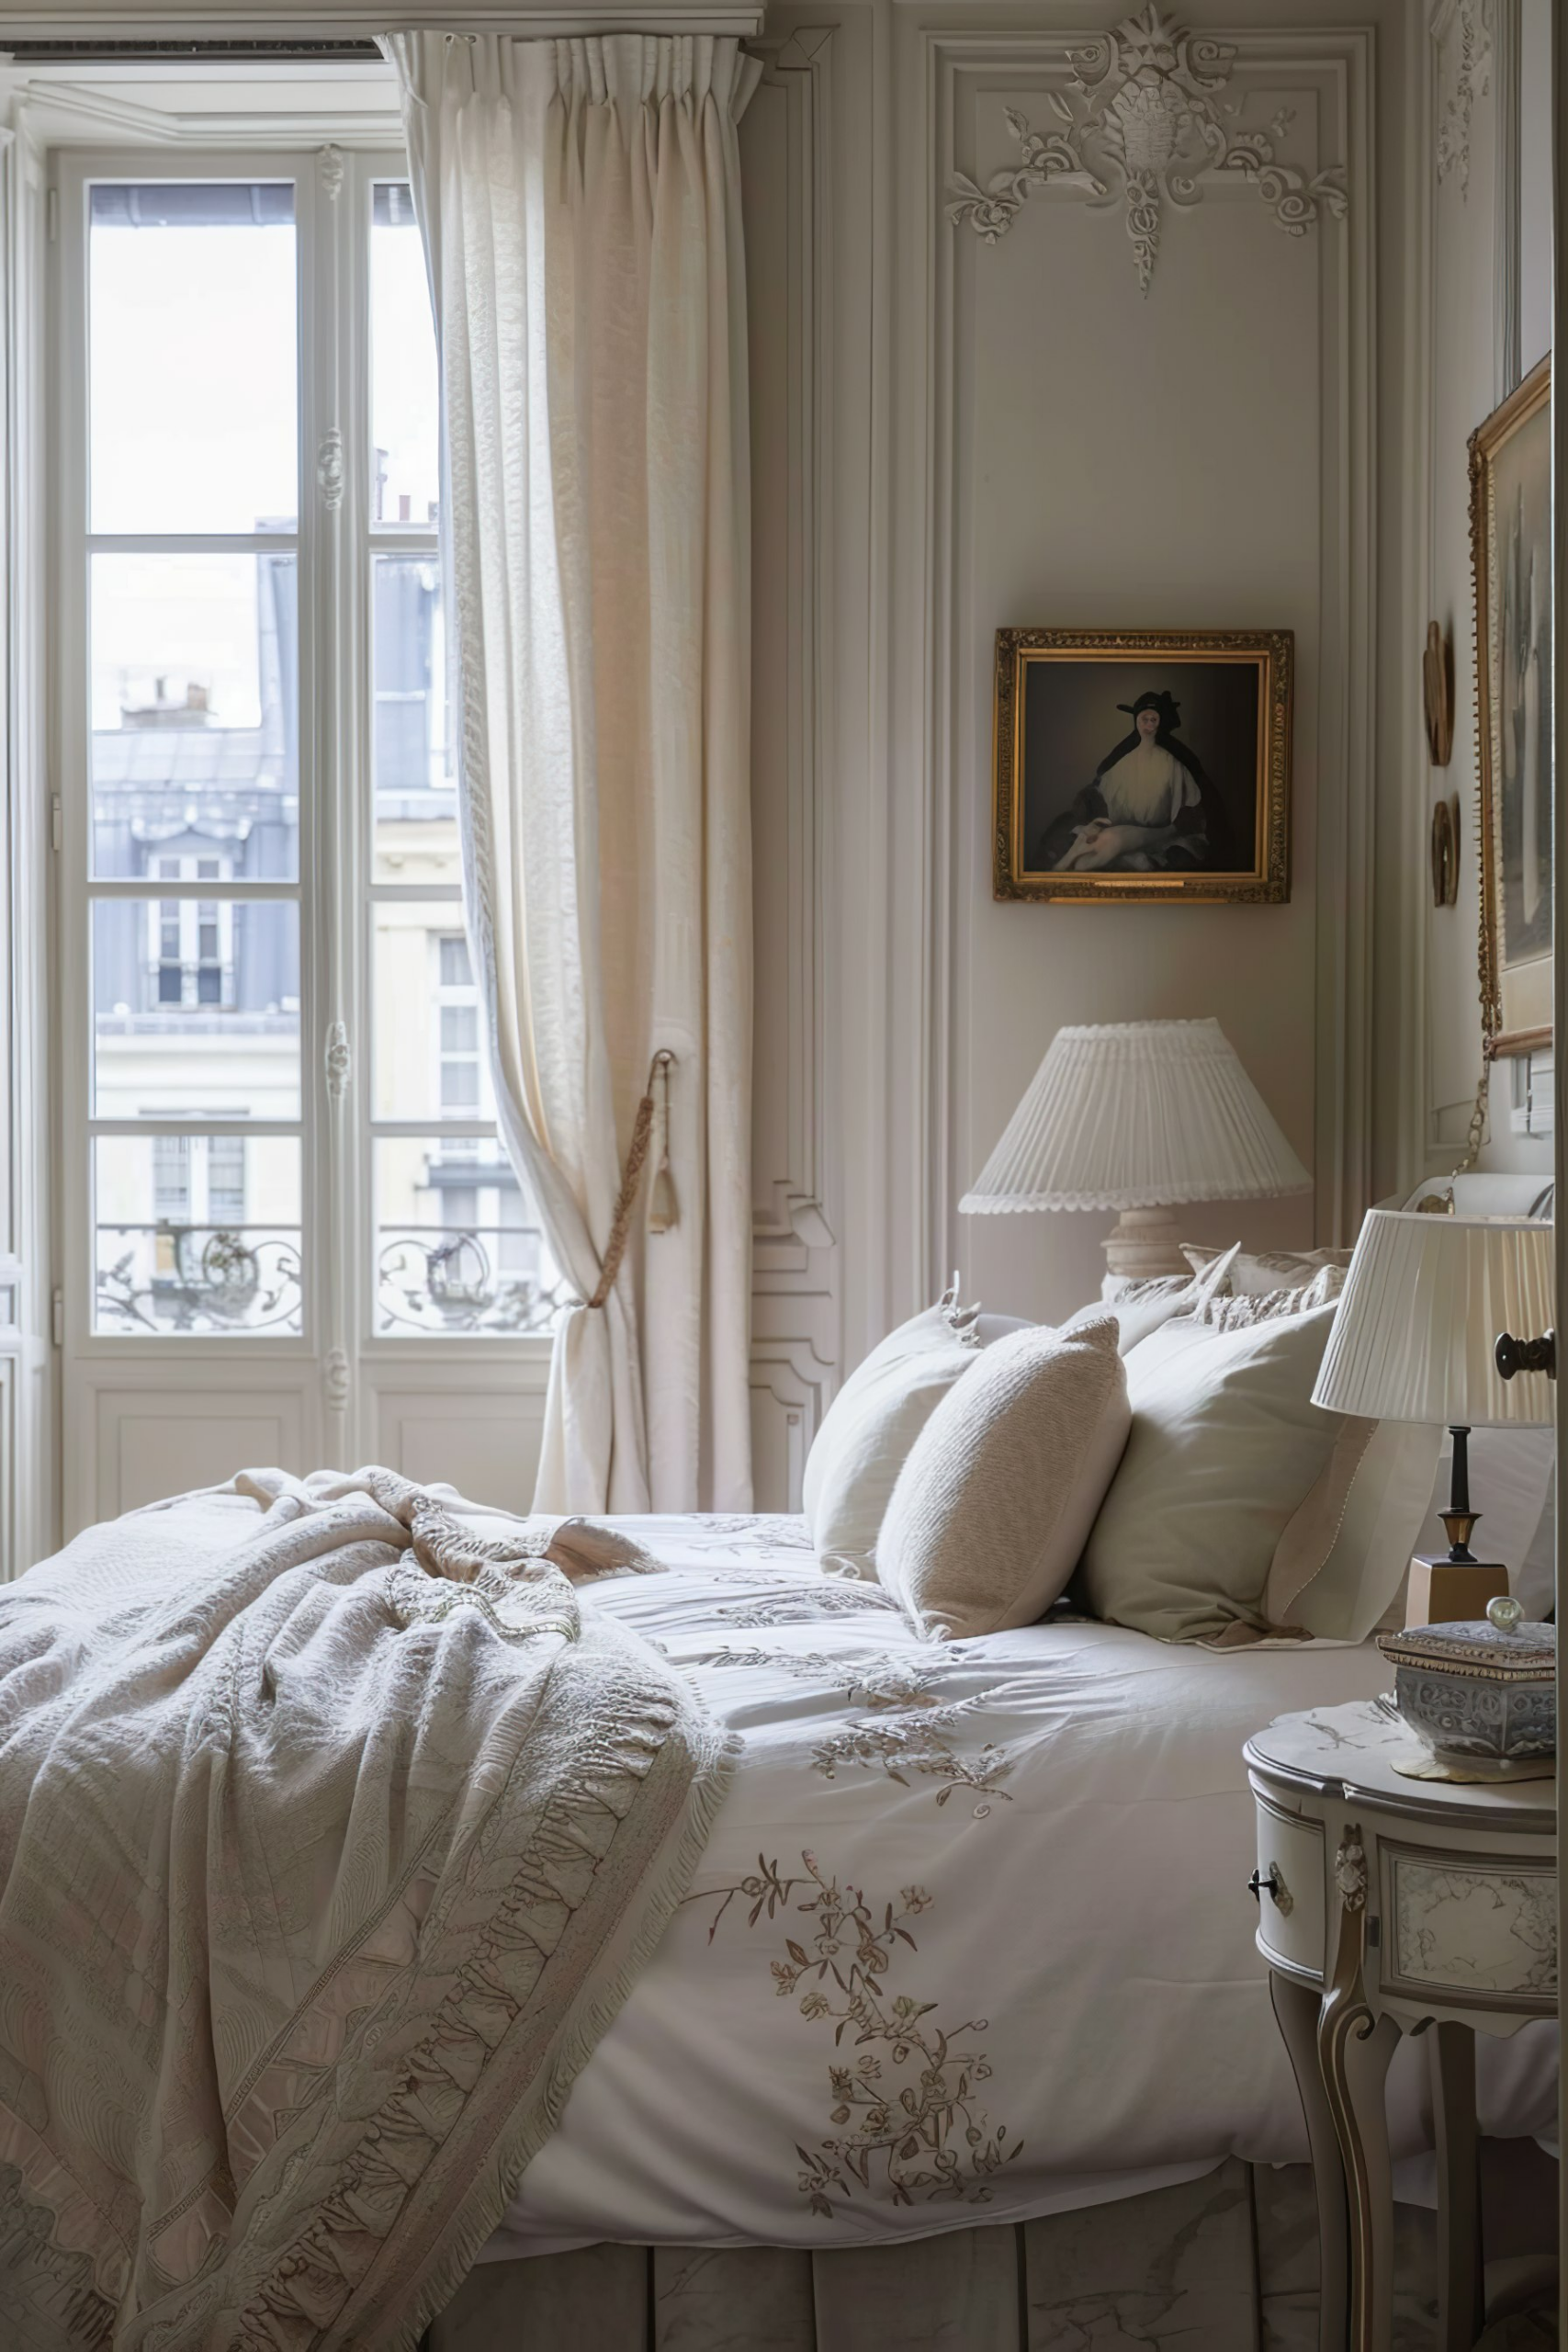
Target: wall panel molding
column 29, row 1472
column 1326, row 80
column 785, row 147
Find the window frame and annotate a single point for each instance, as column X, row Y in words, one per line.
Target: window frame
column 334, row 543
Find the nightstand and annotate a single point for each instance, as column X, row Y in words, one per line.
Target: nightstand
column 1390, row 1905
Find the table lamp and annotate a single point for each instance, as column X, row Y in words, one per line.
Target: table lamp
column 1425, row 1303
column 1139, row 1116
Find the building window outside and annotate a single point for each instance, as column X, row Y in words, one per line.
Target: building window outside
column 193, row 938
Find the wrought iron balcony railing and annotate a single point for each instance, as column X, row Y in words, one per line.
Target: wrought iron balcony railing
column 450, row 1278
column 166, row 1277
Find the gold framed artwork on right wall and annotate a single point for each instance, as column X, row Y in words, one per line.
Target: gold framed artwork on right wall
column 1511, row 542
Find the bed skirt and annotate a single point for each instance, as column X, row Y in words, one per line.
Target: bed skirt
column 1229, row 2262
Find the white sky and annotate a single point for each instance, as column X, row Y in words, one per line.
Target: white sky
column 193, row 398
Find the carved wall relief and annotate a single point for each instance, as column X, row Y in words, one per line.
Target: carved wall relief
column 1144, row 117
column 1471, row 23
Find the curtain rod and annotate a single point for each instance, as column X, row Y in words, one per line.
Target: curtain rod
column 172, row 52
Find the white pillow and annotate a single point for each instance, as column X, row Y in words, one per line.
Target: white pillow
column 1226, row 1446
column 1139, row 1307
column 989, row 1328
column 1142, row 1307
column 1341, row 1560
column 990, row 1510
column 870, row 1426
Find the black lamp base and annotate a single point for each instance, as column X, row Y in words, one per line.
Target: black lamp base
column 1459, row 1520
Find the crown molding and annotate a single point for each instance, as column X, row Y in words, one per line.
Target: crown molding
column 62, row 116
column 359, row 19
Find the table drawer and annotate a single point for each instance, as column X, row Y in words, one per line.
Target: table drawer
column 1290, row 1901
column 1480, row 1929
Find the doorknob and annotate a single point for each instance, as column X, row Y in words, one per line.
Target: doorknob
column 1513, row 1355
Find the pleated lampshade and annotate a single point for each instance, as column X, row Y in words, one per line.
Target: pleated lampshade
column 1423, row 1303
column 1137, row 1114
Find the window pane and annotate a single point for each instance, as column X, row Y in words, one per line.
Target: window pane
column 458, row 1244
column 198, row 1233
column 416, row 786
column 404, row 402
column 196, row 1009
column 429, row 1054
column 191, row 319
column 195, row 716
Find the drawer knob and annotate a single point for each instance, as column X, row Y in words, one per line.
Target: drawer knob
column 1278, row 1893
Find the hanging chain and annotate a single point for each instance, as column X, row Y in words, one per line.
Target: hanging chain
column 1476, row 1136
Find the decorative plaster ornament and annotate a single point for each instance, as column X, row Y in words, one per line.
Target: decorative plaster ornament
column 330, row 475
column 1141, row 116
column 339, row 1060
column 1473, row 80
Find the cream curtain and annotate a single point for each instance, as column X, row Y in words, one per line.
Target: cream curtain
column 581, row 206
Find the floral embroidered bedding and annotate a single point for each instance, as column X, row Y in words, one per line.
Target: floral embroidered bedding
column 344, row 1828
column 970, row 1938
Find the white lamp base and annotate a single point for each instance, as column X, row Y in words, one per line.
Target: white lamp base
column 1141, row 1243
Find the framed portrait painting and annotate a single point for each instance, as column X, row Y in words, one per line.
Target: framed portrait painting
column 1142, row 765
column 1510, row 537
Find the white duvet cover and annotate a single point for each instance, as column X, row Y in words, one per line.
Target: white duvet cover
column 971, row 1939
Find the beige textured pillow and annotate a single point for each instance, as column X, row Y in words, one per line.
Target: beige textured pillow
column 1001, row 1488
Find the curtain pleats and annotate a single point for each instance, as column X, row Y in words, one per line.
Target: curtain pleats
column 581, row 206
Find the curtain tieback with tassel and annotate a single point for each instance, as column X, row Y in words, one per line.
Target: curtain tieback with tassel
column 664, row 1212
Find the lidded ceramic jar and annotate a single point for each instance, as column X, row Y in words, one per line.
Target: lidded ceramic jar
column 1479, row 1693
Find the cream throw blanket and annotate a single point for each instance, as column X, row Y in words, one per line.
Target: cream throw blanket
column 329, row 1840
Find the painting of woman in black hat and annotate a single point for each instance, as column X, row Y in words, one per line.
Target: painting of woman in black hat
column 1149, row 807
column 1142, row 765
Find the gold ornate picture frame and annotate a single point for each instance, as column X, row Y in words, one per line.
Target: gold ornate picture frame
column 1510, row 546
column 1143, row 764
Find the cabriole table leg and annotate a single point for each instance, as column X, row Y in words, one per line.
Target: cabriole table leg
column 1296, row 2008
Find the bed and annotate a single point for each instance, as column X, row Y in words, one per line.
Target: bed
column 970, row 1943
column 924, row 2007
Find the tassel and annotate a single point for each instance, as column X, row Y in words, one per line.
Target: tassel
column 664, row 1209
